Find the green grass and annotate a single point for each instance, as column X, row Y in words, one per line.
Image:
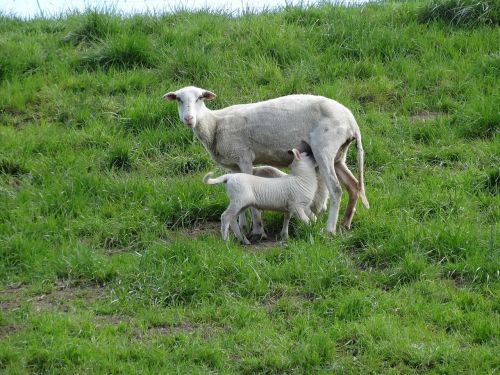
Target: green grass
column 109, row 258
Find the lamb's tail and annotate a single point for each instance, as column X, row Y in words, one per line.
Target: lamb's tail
column 215, row 181
column 361, row 182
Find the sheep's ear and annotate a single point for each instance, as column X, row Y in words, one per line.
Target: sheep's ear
column 169, row 96
column 208, row 95
column 296, row 154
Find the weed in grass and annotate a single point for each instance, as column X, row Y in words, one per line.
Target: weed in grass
column 94, row 27
column 120, row 158
column 462, row 13
column 12, row 168
column 480, row 119
column 120, row 52
column 492, row 182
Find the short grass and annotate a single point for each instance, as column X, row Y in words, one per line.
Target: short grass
column 109, row 258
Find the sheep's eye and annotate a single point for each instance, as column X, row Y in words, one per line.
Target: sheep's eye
column 200, row 97
column 179, row 100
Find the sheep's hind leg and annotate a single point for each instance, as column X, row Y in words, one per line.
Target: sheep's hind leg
column 351, row 184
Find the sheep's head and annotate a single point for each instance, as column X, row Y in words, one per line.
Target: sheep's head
column 190, row 103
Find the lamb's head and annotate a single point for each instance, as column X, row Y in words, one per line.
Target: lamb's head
column 190, row 103
column 303, row 163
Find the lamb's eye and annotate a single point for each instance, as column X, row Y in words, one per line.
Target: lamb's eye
column 200, row 97
column 179, row 100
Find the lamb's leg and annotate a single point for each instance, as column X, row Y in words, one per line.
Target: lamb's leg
column 286, row 222
column 228, row 218
column 351, row 184
column 301, row 214
column 325, row 146
column 236, row 229
column 242, row 218
column 257, row 227
column 224, row 224
column 310, row 214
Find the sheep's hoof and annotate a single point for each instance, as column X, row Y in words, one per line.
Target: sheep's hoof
column 284, row 236
column 344, row 228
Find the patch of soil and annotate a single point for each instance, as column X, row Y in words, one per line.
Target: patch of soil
column 63, row 293
column 15, row 295
column 203, row 227
column 206, row 330
column 424, row 116
column 8, row 330
column 10, row 297
column 213, row 227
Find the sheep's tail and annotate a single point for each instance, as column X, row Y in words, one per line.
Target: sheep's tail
column 215, row 181
column 361, row 181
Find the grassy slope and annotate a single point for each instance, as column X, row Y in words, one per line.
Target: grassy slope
column 98, row 181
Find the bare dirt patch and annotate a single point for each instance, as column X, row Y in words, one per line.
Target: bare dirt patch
column 9, row 330
column 14, row 296
column 63, row 294
column 203, row 228
column 213, row 227
column 206, row 330
column 424, row 116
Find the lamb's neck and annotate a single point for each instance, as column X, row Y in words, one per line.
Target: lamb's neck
column 304, row 171
column 205, row 129
column 307, row 180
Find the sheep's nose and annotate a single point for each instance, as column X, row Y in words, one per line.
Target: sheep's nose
column 188, row 118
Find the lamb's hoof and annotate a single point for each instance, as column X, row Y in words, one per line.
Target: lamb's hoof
column 256, row 237
column 284, row 237
column 246, row 242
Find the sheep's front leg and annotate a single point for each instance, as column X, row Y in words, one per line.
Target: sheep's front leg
column 257, row 227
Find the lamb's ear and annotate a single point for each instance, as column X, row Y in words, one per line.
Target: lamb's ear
column 296, row 154
column 208, row 95
column 305, row 147
column 169, row 96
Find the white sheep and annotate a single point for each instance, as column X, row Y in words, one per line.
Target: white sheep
column 291, row 194
column 241, row 135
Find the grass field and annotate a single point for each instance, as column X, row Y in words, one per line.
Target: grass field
column 110, row 255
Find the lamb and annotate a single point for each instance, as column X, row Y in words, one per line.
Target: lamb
column 291, row 194
column 239, row 136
